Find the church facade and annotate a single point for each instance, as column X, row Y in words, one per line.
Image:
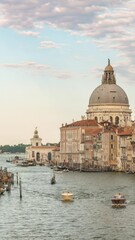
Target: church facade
column 103, row 140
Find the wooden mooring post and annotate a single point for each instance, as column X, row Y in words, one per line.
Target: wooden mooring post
column 20, row 187
column 17, row 178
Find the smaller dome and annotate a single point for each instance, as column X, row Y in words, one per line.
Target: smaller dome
column 36, row 133
column 109, row 68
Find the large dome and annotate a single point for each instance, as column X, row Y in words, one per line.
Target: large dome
column 109, row 102
column 109, row 94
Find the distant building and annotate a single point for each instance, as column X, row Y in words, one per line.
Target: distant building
column 37, row 152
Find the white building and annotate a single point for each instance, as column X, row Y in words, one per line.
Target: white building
column 38, row 152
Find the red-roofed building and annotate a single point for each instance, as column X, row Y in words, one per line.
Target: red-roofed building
column 76, row 144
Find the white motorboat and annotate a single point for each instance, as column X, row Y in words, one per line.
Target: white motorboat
column 67, row 196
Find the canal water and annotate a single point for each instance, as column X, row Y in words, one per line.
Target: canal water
column 41, row 215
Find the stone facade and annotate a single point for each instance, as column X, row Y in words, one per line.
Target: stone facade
column 87, row 146
column 39, row 153
column 105, row 140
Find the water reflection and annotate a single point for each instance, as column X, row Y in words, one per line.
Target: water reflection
column 42, row 215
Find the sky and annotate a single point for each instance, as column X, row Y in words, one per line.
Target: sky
column 52, row 56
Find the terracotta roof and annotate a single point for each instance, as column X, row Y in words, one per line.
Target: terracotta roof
column 91, row 131
column 125, row 131
column 125, row 134
column 82, row 123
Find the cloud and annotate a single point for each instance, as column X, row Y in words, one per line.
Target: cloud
column 63, row 75
column 48, row 44
column 29, row 33
column 26, row 65
column 40, row 67
column 109, row 23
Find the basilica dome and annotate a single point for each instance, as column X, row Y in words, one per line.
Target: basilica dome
column 109, row 102
column 108, row 94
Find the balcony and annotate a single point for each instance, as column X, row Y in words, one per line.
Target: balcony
column 123, row 145
column 123, row 158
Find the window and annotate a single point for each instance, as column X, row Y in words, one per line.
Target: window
column 49, row 156
column 111, row 145
column 111, row 156
column 96, row 119
column 69, row 134
column 33, row 154
column 123, row 151
column 99, row 136
column 36, row 143
column 111, row 119
column 111, row 137
column 117, row 120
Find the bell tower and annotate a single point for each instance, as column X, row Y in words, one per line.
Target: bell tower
column 36, row 140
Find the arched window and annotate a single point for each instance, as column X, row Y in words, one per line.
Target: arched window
column 111, row 119
column 96, row 119
column 37, row 156
column 117, row 120
column 49, row 156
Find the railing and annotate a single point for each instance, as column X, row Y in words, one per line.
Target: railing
column 124, row 158
column 123, row 145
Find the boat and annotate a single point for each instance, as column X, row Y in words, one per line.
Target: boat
column 66, row 170
column 8, row 160
column 119, row 201
column 24, row 164
column 2, row 190
column 8, row 187
column 53, row 180
column 67, row 197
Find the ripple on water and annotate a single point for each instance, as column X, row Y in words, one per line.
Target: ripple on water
column 42, row 215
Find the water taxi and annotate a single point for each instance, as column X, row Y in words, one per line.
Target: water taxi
column 119, row 201
column 67, row 196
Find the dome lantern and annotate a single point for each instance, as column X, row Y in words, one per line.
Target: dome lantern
column 108, row 76
column 36, row 133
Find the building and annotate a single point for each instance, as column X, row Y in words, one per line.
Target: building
column 76, row 143
column 37, row 152
column 109, row 146
column 124, row 139
column 105, row 140
column 109, row 102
